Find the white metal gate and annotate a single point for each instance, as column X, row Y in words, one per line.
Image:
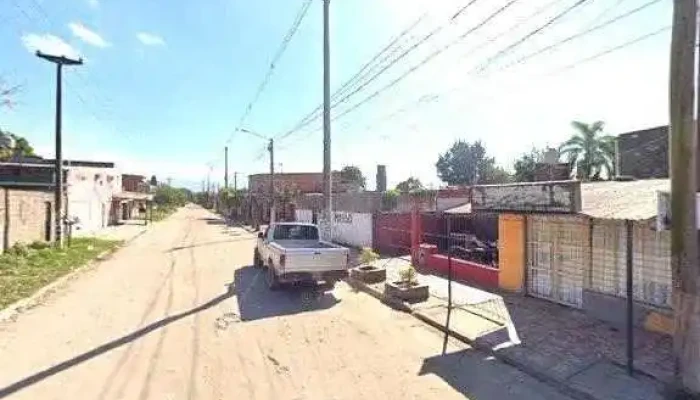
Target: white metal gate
column 557, row 258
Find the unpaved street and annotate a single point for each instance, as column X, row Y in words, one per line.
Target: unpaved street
column 181, row 314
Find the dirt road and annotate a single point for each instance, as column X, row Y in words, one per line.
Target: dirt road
column 181, row 314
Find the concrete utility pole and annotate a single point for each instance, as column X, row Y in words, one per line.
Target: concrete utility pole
column 60, row 61
column 684, row 235
column 271, row 149
column 327, row 177
column 226, row 167
column 235, row 181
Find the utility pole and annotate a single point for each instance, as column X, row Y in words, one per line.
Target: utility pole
column 60, row 61
column 226, row 167
column 327, row 178
column 271, row 149
column 235, row 181
column 684, row 234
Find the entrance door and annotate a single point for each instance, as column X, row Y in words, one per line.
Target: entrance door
column 557, row 258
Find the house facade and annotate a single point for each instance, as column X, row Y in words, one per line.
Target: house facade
column 90, row 187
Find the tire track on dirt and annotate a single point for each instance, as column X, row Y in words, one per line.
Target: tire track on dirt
column 194, row 360
column 155, row 357
column 147, row 311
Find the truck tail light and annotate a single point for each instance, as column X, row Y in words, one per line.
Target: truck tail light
column 283, row 258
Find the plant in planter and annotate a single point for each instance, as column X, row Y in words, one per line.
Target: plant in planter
column 407, row 288
column 366, row 271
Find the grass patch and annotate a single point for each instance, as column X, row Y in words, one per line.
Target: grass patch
column 163, row 212
column 26, row 269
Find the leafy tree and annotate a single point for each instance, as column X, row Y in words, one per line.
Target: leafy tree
column 525, row 165
column 168, row 196
column 590, row 151
column 496, row 174
column 153, row 181
column 11, row 144
column 410, row 185
column 468, row 164
column 390, row 199
column 352, row 174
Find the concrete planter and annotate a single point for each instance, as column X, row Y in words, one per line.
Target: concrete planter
column 369, row 274
column 413, row 293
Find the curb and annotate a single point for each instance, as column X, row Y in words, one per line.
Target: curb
column 477, row 344
column 12, row 311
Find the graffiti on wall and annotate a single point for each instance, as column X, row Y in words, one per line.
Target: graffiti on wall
column 342, row 217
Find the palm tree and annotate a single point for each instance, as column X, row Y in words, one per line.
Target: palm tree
column 589, row 151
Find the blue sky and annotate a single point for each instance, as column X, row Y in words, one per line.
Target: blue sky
column 165, row 83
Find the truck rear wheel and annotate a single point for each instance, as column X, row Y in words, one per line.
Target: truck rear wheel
column 272, row 280
column 257, row 262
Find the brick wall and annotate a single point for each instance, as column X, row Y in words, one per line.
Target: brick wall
column 23, row 215
column 644, row 154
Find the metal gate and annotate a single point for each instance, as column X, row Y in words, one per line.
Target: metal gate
column 557, row 258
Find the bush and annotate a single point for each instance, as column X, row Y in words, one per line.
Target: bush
column 368, row 256
column 37, row 245
column 408, row 275
column 19, row 249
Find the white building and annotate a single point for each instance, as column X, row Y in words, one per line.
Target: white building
column 90, row 187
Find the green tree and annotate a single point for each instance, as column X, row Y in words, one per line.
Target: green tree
column 410, row 185
column 153, row 181
column 352, row 174
column 390, row 199
column 168, row 196
column 590, row 151
column 11, row 145
column 468, row 164
column 526, row 164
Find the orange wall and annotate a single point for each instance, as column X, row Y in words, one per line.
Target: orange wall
column 511, row 252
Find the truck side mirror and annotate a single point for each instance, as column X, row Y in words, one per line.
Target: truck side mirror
column 260, row 235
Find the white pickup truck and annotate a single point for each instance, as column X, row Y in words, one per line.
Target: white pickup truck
column 292, row 252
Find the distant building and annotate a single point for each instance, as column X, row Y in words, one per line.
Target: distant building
column 381, row 178
column 550, row 168
column 133, row 199
column 303, row 182
column 643, row 154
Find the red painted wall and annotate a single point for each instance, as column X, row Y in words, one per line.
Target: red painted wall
column 465, row 271
column 392, row 233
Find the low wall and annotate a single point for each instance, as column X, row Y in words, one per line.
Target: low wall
column 353, row 229
column 462, row 270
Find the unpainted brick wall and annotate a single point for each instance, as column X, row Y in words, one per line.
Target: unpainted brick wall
column 23, row 216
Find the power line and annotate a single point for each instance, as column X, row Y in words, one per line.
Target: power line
column 532, row 33
column 357, row 77
column 613, row 49
column 412, row 48
column 580, row 34
column 291, row 32
column 426, row 60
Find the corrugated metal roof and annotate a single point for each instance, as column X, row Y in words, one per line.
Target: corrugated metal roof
column 635, row 200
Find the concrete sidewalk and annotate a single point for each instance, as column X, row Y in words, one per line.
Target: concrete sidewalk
column 559, row 345
column 125, row 232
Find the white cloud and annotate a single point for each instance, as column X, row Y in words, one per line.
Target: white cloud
column 93, row 3
column 87, row 36
column 49, row 44
column 150, row 39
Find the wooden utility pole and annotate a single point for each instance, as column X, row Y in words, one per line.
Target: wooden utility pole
column 226, row 167
column 60, row 61
column 327, row 177
column 271, row 149
column 684, row 235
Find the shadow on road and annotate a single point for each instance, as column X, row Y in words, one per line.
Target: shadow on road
column 479, row 376
column 256, row 301
column 217, row 242
column 99, row 350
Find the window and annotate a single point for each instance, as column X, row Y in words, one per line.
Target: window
column 295, row 232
